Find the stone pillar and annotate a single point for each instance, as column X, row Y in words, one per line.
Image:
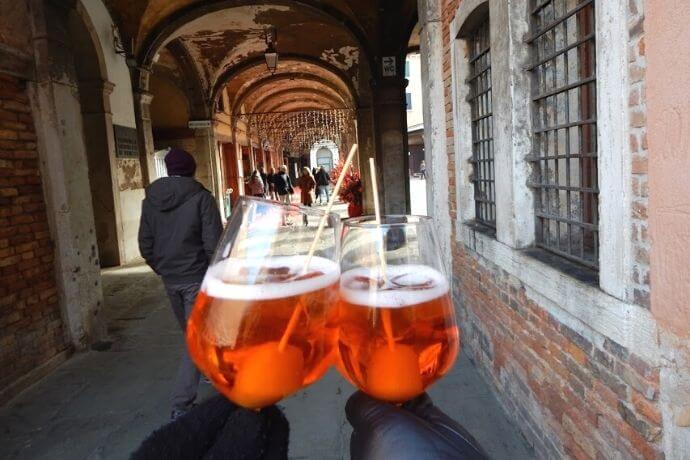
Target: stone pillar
column 205, row 156
column 64, row 167
column 435, row 147
column 366, row 144
column 142, row 115
column 391, row 142
column 100, row 147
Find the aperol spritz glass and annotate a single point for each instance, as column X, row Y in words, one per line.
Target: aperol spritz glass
column 397, row 327
column 262, row 326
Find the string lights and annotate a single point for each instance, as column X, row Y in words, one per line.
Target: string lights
column 296, row 132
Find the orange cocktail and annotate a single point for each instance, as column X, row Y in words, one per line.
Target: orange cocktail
column 259, row 329
column 397, row 333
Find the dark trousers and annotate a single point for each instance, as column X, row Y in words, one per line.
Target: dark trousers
column 182, row 297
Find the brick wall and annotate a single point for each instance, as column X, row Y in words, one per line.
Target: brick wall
column 568, row 395
column 31, row 327
column 638, row 147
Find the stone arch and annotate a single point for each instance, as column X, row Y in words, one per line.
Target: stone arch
column 155, row 39
column 94, row 101
column 237, row 70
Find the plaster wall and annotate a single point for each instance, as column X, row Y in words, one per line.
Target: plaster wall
column 415, row 117
column 121, row 102
column 668, row 101
column 668, row 125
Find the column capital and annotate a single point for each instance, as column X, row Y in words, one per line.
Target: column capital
column 143, row 97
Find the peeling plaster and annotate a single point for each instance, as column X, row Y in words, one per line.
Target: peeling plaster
column 344, row 59
column 129, row 174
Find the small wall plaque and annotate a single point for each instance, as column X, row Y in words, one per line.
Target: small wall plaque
column 126, row 142
column 388, row 66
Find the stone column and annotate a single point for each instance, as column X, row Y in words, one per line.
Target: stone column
column 435, row 147
column 205, row 156
column 100, row 148
column 64, row 167
column 142, row 115
column 391, row 142
column 366, row 148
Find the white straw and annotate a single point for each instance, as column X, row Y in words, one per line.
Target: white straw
column 331, row 200
column 385, row 314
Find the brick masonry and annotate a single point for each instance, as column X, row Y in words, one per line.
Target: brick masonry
column 638, row 147
column 31, row 325
column 569, row 396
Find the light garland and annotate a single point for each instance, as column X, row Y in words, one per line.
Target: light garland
column 296, row 132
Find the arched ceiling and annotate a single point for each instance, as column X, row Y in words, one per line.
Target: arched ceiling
column 251, row 89
column 327, row 48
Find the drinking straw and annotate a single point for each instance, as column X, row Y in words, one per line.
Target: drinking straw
column 385, row 313
column 322, row 224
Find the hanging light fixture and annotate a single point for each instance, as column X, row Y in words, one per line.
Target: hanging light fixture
column 271, row 55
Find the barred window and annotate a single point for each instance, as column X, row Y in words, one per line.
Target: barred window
column 482, row 160
column 565, row 132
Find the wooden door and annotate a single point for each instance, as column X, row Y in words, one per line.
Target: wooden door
column 232, row 175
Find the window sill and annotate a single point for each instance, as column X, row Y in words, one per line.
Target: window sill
column 576, row 301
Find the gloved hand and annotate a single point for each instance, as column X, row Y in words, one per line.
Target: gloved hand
column 218, row 429
column 417, row 430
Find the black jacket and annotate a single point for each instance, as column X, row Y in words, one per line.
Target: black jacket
column 322, row 177
column 179, row 230
column 282, row 183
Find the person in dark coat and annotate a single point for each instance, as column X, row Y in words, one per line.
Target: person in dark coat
column 178, row 233
column 283, row 185
column 264, row 179
column 322, row 181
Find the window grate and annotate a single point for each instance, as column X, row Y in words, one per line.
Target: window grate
column 482, row 125
column 565, row 129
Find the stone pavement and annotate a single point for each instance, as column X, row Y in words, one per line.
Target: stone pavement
column 101, row 405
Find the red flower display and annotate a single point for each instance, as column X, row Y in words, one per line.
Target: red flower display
column 351, row 188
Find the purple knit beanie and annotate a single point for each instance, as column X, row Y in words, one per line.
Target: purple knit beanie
column 180, row 163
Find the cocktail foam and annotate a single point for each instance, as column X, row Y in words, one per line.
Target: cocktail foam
column 403, row 286
column 242, row 279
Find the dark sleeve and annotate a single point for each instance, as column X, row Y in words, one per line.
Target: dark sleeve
column 211, row 226
column 146, row 239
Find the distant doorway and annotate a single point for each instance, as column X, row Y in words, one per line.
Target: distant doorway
column 324, row 157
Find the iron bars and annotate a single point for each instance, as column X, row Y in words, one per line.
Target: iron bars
column 482, row 160
column 565, row 128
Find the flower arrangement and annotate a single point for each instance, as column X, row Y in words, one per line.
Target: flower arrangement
column 350, row 190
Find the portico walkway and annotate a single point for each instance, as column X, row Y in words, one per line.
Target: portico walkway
column 101, row 405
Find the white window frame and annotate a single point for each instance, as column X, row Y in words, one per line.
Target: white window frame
column 606, row 309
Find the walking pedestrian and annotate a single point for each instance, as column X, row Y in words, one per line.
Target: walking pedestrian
column 255, row 185
column 283, row 185
column 271, row 184
column 323, row 180
column 178, row 233
column 264, row 179
column 422, row 169
column 306, row 184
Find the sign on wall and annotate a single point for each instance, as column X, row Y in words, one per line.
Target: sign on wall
column 388, row 66
column 126, row 142
column 198, row 124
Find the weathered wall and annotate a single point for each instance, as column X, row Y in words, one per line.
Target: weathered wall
column 31, row 326
column 121, row 102
column 127, row 172
column 668, row 123
column 572, row 389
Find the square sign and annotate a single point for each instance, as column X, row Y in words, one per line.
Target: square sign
column 388, row 64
